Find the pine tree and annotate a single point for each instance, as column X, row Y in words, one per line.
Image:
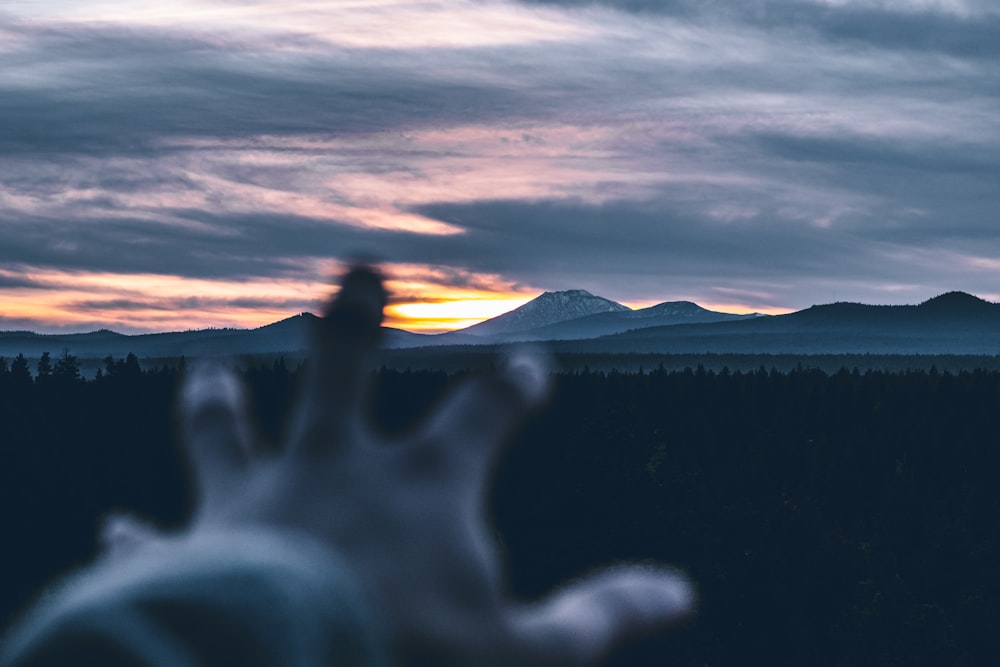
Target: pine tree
column 44, row 369
column 131, row 368
column 20, row 372
column 67, row 369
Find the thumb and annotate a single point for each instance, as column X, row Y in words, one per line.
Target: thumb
column 582, row 623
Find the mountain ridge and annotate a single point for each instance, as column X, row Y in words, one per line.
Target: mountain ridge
column 607, row 323
column 952, row 322
column 960, row 324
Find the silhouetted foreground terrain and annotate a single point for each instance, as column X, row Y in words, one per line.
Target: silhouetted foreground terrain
column 829, row 519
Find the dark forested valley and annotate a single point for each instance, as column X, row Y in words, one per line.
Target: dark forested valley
column 828, row 517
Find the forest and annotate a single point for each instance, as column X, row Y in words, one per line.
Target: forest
column 840, row 517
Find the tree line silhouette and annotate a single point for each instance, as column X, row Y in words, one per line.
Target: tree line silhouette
column 828, row 518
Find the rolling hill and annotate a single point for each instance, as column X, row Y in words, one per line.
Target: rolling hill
column 953, row 323
column 576, row 321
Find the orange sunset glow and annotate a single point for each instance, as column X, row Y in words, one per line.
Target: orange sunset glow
column 421, row 301
column 446, row 313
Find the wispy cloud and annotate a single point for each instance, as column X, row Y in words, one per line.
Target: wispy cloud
column 764, row 154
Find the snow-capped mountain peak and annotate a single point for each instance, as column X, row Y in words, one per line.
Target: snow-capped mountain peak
column 547, row 308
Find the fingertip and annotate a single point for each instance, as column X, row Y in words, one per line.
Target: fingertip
column 636, row 598
column 486, row 410
column 344, row 344
column 211, row 386
column 659, row 596
column 528, row 371
column 585, row 621
column 214, row 418
column 359, row 303
column 121, row 534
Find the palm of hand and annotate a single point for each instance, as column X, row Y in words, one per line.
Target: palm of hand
column 406, row 516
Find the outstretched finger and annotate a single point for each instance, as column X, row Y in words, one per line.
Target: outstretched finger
column 583, row 623
column 344, row 343
column 216, row 429
column 481, row 413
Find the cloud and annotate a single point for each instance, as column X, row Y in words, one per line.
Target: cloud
column 114, row 90
column 643, row 150
column 658, row 251
column 968, row 30
column 656, row 238
column 682, row 7
column 216, row 248
column 880, row 152
column 190, row 303
column 976, row 36
column 909, row 192
column 11, row 280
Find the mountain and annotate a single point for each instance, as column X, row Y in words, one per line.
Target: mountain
column 546, row 309
column 99, row 344
column 291, row 335
column 947, row 310
column 957, row 304
column 576, row 321
column 604, row 324
column 953, row 323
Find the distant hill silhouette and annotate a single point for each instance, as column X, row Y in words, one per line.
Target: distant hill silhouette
column 604, row 324
column 952, row 323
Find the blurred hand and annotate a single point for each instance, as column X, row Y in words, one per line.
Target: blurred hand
column 406, row 516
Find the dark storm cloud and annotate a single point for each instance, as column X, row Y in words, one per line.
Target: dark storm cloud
column 972, row 37
column 220, row 247
column 171, row 305
column 881, row 152
column 36, row 175
column 899, row 28
column 629, row 250
column 122, row 91
column 624, row 238
column 19, row 282
column 539, row 242
column 918, row 192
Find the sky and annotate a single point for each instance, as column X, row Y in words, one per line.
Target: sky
column 213, row 163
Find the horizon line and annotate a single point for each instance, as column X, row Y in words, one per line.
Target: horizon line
column 394, row 323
